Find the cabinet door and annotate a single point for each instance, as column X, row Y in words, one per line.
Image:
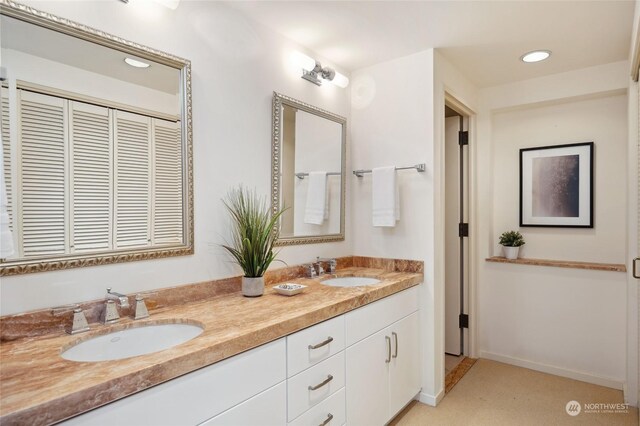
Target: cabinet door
column 368, row 381
column 404, row 374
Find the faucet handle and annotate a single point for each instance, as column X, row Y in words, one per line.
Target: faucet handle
column 79, row 323
column 141, row 310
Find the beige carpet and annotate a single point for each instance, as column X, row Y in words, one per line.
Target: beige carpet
column 496, row 394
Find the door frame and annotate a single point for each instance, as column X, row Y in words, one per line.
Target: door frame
column 470, row 336
column 632, row 385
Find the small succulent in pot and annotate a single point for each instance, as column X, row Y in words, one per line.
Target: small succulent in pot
column 511, row 241
column 254, row 233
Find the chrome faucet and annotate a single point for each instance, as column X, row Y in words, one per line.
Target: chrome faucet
column 122, row 299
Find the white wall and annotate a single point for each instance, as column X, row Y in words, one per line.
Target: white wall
column 564, row 321
column 398, row 119
column 602, row 121
column 392, row 125
column 236, row 65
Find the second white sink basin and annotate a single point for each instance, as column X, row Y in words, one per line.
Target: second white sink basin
column 350, row 281
column 132, row 342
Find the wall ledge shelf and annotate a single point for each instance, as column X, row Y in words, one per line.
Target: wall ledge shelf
column 613, row 267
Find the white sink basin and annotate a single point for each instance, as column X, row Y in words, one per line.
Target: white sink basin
column 132, row 342
column 350, row 281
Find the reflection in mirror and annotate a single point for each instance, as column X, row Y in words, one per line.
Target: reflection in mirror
column 95, row 150
column 308, row 172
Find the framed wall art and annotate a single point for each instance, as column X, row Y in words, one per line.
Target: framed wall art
column 556, row 186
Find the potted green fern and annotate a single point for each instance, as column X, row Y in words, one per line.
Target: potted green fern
column 511, row 241
column 254, row 233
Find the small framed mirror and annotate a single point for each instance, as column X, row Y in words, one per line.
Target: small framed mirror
column 96, row 146
column 308, row 172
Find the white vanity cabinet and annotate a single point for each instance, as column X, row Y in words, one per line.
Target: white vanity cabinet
column 383, row 369
column 359, row 368
column 247, row 389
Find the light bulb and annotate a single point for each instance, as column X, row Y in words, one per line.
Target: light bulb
column 340, row 80
column 300, row 60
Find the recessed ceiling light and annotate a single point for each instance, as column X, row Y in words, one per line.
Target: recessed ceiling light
column 136, row 63
column 535, row 56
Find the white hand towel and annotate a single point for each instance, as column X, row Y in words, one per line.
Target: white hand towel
column 317, row 208
column 385, row 197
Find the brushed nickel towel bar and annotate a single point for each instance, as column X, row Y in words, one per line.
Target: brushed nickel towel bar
column 419, row 167
column 303, row 175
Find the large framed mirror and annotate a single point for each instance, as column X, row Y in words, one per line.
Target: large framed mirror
column 308, row 172
column 96, row 146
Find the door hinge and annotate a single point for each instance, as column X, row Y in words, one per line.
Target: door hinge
column 463, row 321
column 463, row 230
column 463, row 138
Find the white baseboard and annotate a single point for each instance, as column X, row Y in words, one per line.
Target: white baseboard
column 430, row 399
column 558, row 371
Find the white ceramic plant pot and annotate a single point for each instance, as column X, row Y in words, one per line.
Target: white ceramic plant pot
column 252, row 287
column 510, row 252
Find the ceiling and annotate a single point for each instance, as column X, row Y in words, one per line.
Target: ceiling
column 78, row 53
column 483, row 39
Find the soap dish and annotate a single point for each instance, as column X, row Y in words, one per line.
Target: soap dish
column 289, row 289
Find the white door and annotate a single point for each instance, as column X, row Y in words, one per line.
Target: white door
column 453, row 332
column 404, row 374
column 368, row 381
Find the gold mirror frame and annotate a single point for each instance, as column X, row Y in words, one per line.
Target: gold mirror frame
column 65, row 26
column 276, row 164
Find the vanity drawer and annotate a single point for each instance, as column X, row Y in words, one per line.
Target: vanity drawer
column 327, row 338
column 326, row 377
column 333, row 408
column 265, row 409
column 369, row 319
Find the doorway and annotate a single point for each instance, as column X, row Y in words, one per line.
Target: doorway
column 456, row 199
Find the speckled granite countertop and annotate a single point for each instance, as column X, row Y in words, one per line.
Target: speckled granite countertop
column 37, row 386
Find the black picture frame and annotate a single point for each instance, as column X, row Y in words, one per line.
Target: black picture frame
column 566, row 172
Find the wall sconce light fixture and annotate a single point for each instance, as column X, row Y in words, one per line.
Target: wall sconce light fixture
column 313, row 71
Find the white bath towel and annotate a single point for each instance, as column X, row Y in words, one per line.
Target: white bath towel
column 317, row 207
column 385, row 199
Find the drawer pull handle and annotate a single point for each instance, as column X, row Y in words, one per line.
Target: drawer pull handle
column 319, row 385
column 327, row 420
column 395, row 339
column 388, row 360
column 321, row 344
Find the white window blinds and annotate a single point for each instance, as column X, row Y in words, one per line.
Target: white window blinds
column 92, row 178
